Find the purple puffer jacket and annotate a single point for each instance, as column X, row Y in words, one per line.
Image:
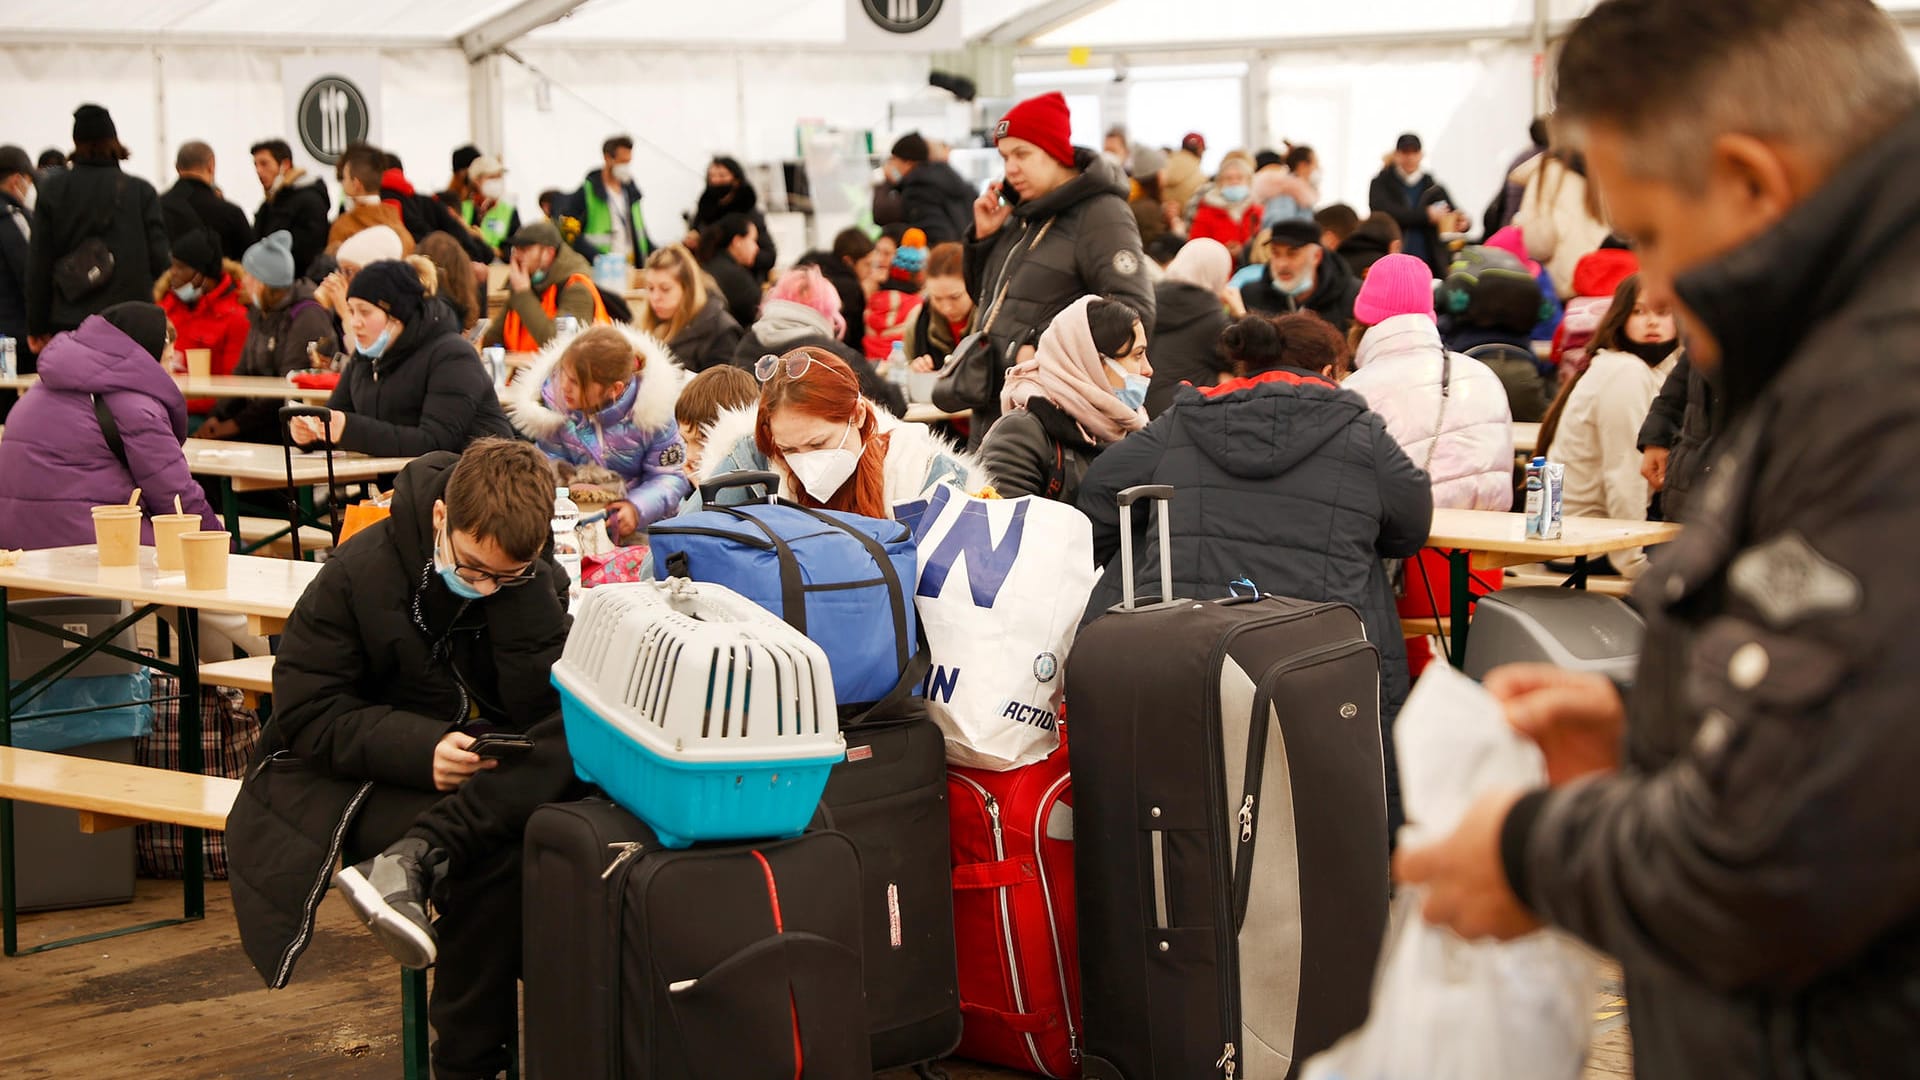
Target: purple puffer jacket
column 54, row 462
column 635, row 435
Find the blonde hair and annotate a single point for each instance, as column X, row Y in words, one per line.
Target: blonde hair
column 429, row 274
column 679, row 262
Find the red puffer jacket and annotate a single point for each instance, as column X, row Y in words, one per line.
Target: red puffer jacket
column 216, row 322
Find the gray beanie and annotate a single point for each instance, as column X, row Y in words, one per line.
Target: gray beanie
column 271, row 260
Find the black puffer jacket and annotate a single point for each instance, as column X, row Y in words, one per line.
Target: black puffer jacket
column 299, row 205
column 94, row 199
column 1031, row 450
column 362, row 694
column 1183, row 346
column 1754, row 864
column 428, row 392
column 1684, row 420
column 277, row 342
column 709, row 339
column 1078, row 240
column 937, row 201
column 192, row 204
column 1282, row 479
column 1335, row 289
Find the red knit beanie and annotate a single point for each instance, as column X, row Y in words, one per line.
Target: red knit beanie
column 1042, row 121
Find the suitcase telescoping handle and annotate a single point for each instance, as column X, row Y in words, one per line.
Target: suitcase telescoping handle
column 744, row 478
column 1162, row 495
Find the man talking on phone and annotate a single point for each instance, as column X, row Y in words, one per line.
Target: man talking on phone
column 1740, row 833
column 414, row 732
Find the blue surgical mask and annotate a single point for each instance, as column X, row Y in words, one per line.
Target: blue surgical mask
column 1301, row 287
column 379, row 345
column 1234, row 193
column 538, row 278
column 450, row 576
column 188, row 294
column 1133, row 394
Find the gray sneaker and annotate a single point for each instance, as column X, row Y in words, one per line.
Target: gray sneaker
column 389, row 893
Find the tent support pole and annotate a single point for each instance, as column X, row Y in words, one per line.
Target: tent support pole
column 1541, row 13
column 485, row 105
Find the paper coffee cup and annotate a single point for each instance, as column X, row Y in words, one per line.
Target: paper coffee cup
column 205, row 555
column 116, row 531
column 199, row 363
column 166, row 538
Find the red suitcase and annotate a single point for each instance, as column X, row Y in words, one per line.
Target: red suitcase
column 1013, row 913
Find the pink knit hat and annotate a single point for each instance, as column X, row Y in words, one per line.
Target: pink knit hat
column 1397, row 285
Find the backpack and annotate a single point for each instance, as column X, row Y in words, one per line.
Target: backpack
column 843, row 580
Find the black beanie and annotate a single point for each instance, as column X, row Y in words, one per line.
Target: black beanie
column 91, row 123
column 911, row 147
column 392, row 286
column 199, row 249
column 145, row 323
column 464, row 157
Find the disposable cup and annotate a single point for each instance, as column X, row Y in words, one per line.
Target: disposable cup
column 166, row 538
column 199, row 363
column 205, row 554
column 116, row 530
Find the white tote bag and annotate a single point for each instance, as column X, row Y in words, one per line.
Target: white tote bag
column 1003, row 583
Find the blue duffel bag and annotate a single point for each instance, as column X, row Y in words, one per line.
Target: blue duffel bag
column 843, row 580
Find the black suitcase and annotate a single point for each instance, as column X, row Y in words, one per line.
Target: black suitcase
column 1230, row 830
column 890, row 798
column 729, row 962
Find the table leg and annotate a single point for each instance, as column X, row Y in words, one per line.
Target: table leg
column 1578, row 579
column 1460, row 608
column 230, row 506
column 9, row 918
column 191, row 760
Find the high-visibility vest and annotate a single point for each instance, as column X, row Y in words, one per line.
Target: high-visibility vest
column 513, row 332
column 493, row 224
column 597, row 230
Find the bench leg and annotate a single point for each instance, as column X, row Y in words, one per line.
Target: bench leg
column 192, row 760
column 413, row 1025
column 1459, row 610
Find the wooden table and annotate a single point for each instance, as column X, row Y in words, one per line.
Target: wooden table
column 264, row 590
column 1525, row 438
column 1487, row 540
column 215, row 386
column 244, row 466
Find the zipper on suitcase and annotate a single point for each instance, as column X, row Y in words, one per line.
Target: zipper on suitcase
column 1256, row 763
column 992, row 806
column 1046, row 896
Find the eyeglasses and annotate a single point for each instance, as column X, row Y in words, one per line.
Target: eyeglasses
column 474, row 575
column 766, row 366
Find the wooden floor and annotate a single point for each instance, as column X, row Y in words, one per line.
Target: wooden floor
column 182, row 1003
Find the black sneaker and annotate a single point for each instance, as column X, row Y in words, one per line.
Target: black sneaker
column 389, row 893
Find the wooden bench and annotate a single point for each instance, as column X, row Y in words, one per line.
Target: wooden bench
column 251, row 675
column 255, row 529
column 1605, row 586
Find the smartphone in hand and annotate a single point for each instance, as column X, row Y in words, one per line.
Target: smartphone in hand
column 501, row 745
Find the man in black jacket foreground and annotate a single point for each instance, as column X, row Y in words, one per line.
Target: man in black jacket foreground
column 1740, row 833
column 430, row 628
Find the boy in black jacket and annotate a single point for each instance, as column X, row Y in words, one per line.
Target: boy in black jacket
column 433, row 627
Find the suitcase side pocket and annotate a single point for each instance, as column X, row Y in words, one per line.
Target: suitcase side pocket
column 776, row 1009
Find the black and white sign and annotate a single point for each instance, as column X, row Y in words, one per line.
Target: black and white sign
column 333, row 113
column 902, row 16
column 903, row 25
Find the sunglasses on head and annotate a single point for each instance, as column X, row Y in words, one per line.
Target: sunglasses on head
column 767, row 366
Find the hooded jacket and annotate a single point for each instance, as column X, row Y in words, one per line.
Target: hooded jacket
column 428, row 392
column 1467, row 432
column 54, row 463
column 1282, row 479
column 364, row 688
column 93, row 199
column 917, row 459
column 1077, row 240
column 1183, row 345
column 1335, row 288
column 298, row 203
column 217, row 322
column 276, row 346
column 362, row 217
column 635, row 435
column 938, row 201
column 1751, row 864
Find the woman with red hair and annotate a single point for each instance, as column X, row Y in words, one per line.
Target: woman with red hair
column 831, row 446
column 803, row 309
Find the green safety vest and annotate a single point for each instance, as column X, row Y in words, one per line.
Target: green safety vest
column 597, row 230
column 494, row 225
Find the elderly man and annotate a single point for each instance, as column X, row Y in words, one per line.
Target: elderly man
column 1740, row 832
column 1301, row 275
column 545, row 280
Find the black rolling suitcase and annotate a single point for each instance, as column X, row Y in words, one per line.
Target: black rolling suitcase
column 890, row 798
column 1230, row 830
column 728, row 962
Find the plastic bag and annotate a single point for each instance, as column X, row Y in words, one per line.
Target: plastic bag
column 109, row 719
column 1444, row 1008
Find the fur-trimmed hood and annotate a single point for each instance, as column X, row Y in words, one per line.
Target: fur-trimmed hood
column 535, row 413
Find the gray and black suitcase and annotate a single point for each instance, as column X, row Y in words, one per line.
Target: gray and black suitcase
column 1230, row 829
column 719, row 962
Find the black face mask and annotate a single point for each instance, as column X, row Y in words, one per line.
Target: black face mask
column 1654, row 353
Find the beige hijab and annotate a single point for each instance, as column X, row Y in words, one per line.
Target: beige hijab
column 1203, row 262
column 1068, row 370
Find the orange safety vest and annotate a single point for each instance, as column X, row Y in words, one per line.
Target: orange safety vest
column 514, row 334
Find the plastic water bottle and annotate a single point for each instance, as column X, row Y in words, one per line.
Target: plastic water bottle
column 1536, row 498
column 566, row 542
column 565, row 325
column 9, row 358
column 496, row 357
column 898, row 371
